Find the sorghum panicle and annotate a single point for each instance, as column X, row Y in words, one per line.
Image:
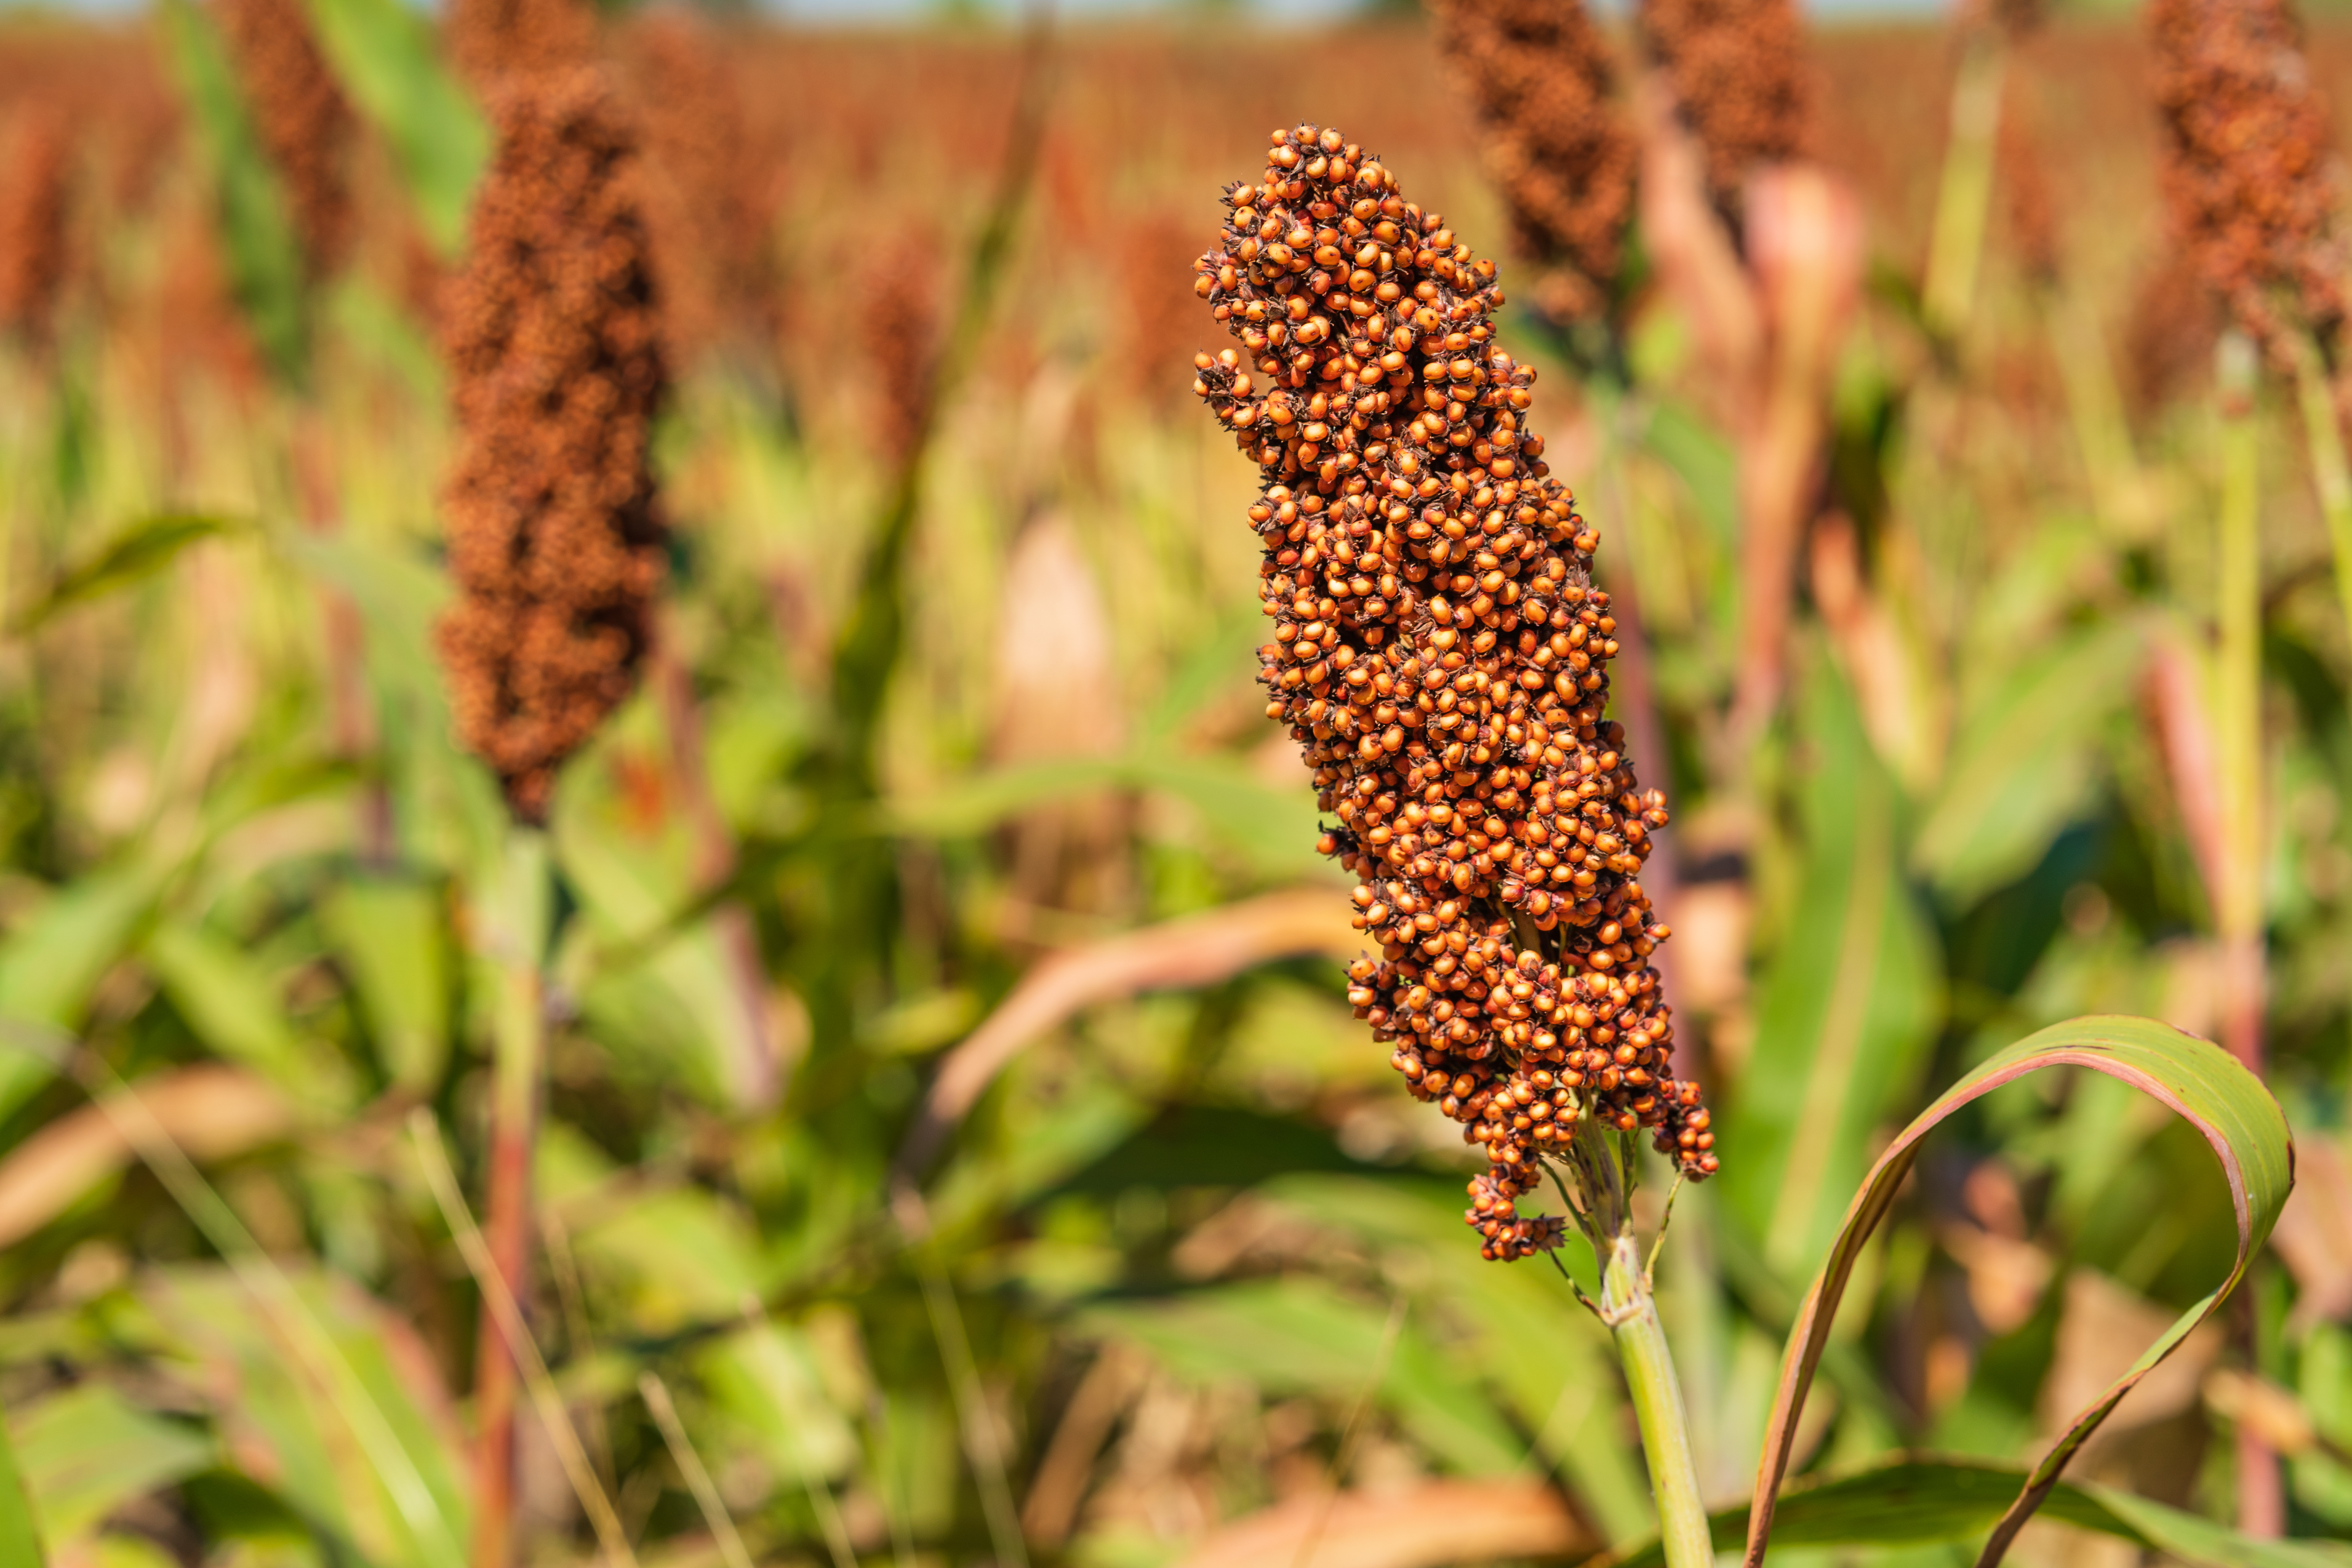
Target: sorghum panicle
column 493, row 38
column 1738, row 72
column 2249, row 167
column 33, row 197
column 1441, row 652
column 1557, row 147
column 305, row 124
column 902, row 330
column 554, row 526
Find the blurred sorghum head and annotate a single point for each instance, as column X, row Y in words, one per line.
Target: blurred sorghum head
column 1737, row 70
column 305, row 125
column 1441, row 652
column 555, row 528
column 493, row 38
column 2248, row 170
column 1559, row 148
column 902, row 328
column 35, row 159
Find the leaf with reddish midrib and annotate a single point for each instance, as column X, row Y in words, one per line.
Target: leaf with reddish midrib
column 2197, row 1080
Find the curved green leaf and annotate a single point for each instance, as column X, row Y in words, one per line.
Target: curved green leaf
column 2197, row 1080
column 132, row 556
column 1916, row 1503
column 384, row 54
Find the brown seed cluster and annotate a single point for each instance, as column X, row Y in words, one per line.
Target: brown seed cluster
column 1440, row 653
column 33, row 193
column 554, row 526
column 2248, row 168
column 1737, row 70
column 902, row 331
column 1559, row 149
column 492, row 39
column 305, row 125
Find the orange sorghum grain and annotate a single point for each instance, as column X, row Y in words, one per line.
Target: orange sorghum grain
column 1737, row 70
column 1441, row 652
column 554, row 526
column 2247, row 167
column 299, row 111
column 1559, row 148
column 33, row 191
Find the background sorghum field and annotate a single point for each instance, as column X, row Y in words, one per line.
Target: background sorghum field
column 1189, row 1258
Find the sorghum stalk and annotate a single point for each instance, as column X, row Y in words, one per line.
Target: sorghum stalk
column 554, row 533
column 1441, row 652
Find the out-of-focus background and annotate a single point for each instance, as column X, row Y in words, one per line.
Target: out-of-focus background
column 1185, row 1281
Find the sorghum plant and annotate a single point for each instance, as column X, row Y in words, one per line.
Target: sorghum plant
column 1738, row 71
column 1556, row 143
column 304, row 122
column 1441, row 652
column 554, row 525
column 33, row 225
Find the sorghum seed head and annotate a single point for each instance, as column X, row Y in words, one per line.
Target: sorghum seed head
column 2249, row 168
column 1441, row 652
column 34, row 166
column 553, row 523
column 1738, row 72
column 299, row 111
column 1557, row 147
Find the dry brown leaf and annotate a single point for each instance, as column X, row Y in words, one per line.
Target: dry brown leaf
column 2313, row 1234
column 1199, row 950
column 1441, row 1523
column 212, row 1111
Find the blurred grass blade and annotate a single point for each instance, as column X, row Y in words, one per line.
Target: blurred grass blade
column 20, row 1536
column 232, row 1005
column 214, row 1112
column 1848, row 1004
column 2026, row 764
column 257, row 226
column 383, row 52
column 1198, row 950
column 88, row 1450
column 52, row 960
column 2195, row 1079
column 135, row 554
column 1919, row 1502
column 1428, row 1526
column 391, row 937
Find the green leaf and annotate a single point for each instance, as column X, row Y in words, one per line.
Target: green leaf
column 257, row 226
column 50, row 963
column 20, row 1536
column 135, row 554
column 2198, row 1081
column 233, row 1006
column 1916, row 1503
column 765, row 1377
column 385, row 54
column 88, row 1451
column 2025, row 763
column 1300, row 1334
column 1847, row 1008
column 391, row 937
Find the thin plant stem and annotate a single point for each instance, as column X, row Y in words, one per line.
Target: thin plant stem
column 507, row 1313
column 281, row 1303
column 655, row 1394
column 2238, row 901
column 517, row 934
column 2331, row 475
column 1344, row 1457
column 981, row 1441
column 1964, row 193
column 1631, row 1313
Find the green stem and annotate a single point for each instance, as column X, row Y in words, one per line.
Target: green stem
column 1964, row 198
column 1633, row 1315
column 2331, row 476
column 517, row 912
column 2238, row 698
